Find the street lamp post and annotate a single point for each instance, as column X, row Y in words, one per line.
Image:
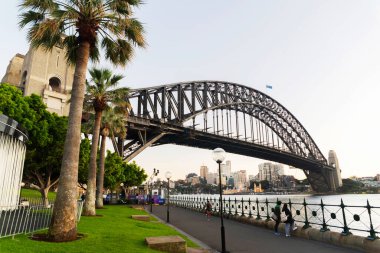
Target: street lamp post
column 218, row 155
column 168, row 175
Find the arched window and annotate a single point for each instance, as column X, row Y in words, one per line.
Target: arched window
column 55, row 84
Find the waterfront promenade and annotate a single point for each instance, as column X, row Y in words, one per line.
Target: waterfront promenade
column 240, row 238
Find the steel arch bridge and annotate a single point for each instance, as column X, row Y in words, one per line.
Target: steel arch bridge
column 237, row 118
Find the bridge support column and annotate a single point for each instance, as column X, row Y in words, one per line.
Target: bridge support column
column 142, row 147
column 322, row 180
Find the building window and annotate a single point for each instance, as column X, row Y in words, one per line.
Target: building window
column 55, row 84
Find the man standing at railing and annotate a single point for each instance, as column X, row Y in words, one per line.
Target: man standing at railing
column 277, row 212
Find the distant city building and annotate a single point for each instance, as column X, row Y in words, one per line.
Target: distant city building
column 240, row 179
column 257, row 188
column 333, row 161
column 193, row 180
column 44, row 73
column 203, row 171
column 230, row 182
column 226, row 169
column 211, row 178
column 270, row 171
column 377, row 177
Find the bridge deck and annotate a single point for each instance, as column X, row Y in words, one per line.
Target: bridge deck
column 240, row 238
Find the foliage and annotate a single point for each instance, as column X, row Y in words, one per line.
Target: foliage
column 117, row 171
column 28, row 111
column 113, row 173
column 43, row 163
column 114, row 232
column 191, row 175
column 84, row 159
column 46, row 133
column 101, row 93
column 102, row 24
column 350, row 186
column 133, row 174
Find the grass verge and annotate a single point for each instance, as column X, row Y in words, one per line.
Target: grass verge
column 31, row 193
column 115, row 231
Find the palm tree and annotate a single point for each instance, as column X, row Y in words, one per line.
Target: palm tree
column 113, row 122
column 82, row 27
column 100, row 95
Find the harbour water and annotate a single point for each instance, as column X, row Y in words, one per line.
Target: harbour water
column 340, row 213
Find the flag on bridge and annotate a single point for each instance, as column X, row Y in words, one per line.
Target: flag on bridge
column 268, row 86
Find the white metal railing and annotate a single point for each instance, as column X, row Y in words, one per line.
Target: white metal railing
column 24, row 219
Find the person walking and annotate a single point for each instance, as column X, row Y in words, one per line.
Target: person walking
column 289, row 220
column 208, row 210
column 277, row 217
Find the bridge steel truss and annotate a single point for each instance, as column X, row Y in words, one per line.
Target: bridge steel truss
column 240, row 119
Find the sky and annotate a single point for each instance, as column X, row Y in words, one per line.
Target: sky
column 322, row 59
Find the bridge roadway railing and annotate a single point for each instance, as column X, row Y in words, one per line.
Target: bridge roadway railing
column 347, row 219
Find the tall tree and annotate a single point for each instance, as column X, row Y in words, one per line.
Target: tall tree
column 46, row 137
column 101, row 94
column 113, row 122
column 133, row 175
column 81, row 27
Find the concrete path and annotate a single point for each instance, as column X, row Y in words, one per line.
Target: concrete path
column 240, row 237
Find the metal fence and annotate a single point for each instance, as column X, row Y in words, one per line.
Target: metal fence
column 34, row 201
column 360, row 220
column 25, row 219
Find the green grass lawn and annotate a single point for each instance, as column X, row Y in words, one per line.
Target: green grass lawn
column 115, row 231
column 30, row 193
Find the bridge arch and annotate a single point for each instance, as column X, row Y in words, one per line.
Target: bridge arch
column 199, row 113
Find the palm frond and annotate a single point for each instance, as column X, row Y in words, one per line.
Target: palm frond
column 118, row 52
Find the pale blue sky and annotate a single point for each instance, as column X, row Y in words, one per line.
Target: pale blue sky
column 321, row 57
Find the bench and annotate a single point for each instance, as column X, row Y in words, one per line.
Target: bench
column 172, row 244
column 141, row 217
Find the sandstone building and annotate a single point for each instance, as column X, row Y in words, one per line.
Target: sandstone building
column 44, row 73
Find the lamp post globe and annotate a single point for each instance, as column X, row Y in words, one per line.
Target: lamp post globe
column 218, row 155
column 168, row 175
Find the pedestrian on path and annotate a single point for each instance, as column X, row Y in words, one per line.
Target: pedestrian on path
column 289, row 222
column 277, row 217
column 208, row 210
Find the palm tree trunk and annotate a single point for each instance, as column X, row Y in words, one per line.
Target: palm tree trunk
column 89, row 204
column 63, row 226
column 120, row 144
column 100, row 180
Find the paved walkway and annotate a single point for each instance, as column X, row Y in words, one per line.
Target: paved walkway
column 240, row 237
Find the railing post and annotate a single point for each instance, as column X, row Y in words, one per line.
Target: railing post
column 324, row 225
column 235, row 208
column 229, row 206
column 249, row 206
column 224, row 205
column 216, row 204
column 372, row 234
column 346, row 230
column 258, row 210
column 307, row 225
column 242, row 206
column 267, row 204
